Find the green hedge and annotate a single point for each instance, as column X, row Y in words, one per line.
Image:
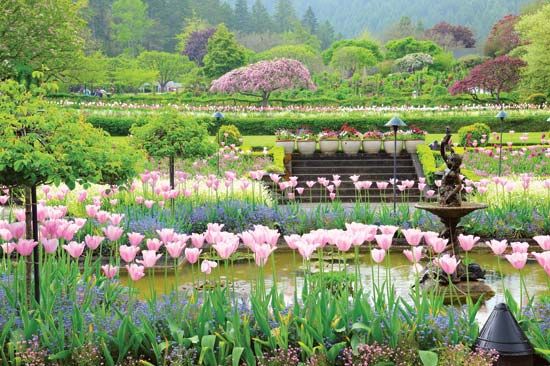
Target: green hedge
column 251, row 126
column 427, row 158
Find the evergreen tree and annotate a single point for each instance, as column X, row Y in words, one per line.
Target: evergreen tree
column 167, row 17
column 260, row 20
column 309, row 21
column 285, row 16
column 325, row 34
column 130, row 25
column 224, row 53
column 241, row 20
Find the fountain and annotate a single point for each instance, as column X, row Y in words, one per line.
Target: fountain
column 451, row 209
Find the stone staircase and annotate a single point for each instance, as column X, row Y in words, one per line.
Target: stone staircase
column 369, row 167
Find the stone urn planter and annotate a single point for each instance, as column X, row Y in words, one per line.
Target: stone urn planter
column 329, row 147
column 307, row 147
column 288, row 145
column 411, row 145
column 351, row 147
column 389, row 147
column 372, row 146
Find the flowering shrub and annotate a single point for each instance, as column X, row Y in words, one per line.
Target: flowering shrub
column 415, row 133
column 478, row 132
column 373, row 135
column 349, row 133
column 329, row 135
column 284, row 135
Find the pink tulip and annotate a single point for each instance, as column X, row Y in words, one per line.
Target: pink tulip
column 300, row 190
column 467, row 242
column 197, row 240
column 542, row 240
column 135, row 239
column 206, row 266
column 421, row 186
column 517, row 260
column 439, row 244
column 430, row 193
column 520, row 247
column 224, row 249
column 543, row 258
column 149, row 203
column 261, row 254
column 5, row 234
column 310, row 183
column 414, row 255
column 82, row 195
column 292, row 241
column 382, row 185
column 74, row 249
column 175, row 248
column 306, row 249
column 113, row 233
column 413, row 236
column 166, row 235
column 109, row 271
column 102, row 217
column 20, row 215
column 116, row 219
column 154, row 244
column 192, row 255
column 343, row 241
column 25, row 247
column 4, row 199
column 332, row 196
column 135, row 271
column 128, row 253
column 93, row 241
column 384, row 241
column 388, row 229
column 150, row 258
column 378, row 255
column 8, row 248
column 448, row 263
column 92, row 210
column 498, row 247
column 50, row 245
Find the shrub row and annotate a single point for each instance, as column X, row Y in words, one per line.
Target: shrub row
column 251, row 126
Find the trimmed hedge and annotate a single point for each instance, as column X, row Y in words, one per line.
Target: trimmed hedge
column 251, row 126
column 427, row 158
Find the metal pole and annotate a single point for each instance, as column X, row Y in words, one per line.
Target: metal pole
column 218, row 140
column 36, row 253
column 500, row 152
column 394, row 170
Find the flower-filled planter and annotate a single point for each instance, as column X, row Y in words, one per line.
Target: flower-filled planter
column 389, row 143
column 372, row 142
column 329, row 142
column 414, row 137
column 351, row 140
column 286, row 140
column 306, row 142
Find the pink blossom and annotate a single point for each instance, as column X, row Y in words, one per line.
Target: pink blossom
column 520, row 247
column 109, row 271
column 378, row 255
column 153, row 244
column 166, row 235
column 343, row 241
column 300, row 190
column 128, row 253
column 93, row 242
column 113, row 233
column 498, row 247
column 261, row 253
column 4, row 199
column 175, row 248
column 306, row 249
column 384, row 241
column 382, row 185
column 310, row 183
column 224, row 249
column 292, row 240
column 102, row 217
column 8, row 248
column 439, row 244
column 5, row 234
column 149, row 203
column 150, row 258
column 135, row 271
column 74, row 249
column 82, row 195
column 206, row 266
column 414, row 255
column 430, row 193
column 354, row 178
column 116, row 218
column 517, row 260
column 447, row 263
column 543, row 258
column 388, row 229
column 413, row 236
column 197, row 240
column 135, row 239
column 543, row 241
column 25, row 247
column 467, row 242
column 192, row 255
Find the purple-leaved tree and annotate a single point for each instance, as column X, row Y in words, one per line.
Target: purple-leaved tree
column 197, row 44
column 263, row 78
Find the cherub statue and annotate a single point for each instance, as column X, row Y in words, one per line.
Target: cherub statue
column 451, row 183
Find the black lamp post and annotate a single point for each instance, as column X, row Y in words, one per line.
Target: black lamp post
column 395, row 123
column 501, row 115
column 218, row 116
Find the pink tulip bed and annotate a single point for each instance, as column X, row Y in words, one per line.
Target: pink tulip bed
column 103, row 250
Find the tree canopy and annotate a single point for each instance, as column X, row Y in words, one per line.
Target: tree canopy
column 503, row 37
column 224, row 53
column 401, row 47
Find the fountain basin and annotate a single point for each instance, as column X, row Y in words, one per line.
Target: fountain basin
column 454, row 213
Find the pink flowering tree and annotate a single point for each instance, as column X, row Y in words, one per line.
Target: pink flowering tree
column 494, row 76
column 263, row 78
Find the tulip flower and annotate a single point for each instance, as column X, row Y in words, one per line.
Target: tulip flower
column 382, row 185
column 50, row 245
column 154, row 244
column 113, row 233
column 517, row 259
column 197, row 240
column 467, row 242
column 448, row 263
column 206, row 266
column 306, row 249
column 292, row 241
column 543, row 258
column 25, row 247
column 4, row 199
column 109, row 271
column 439, row 244
column 224, row 249
column 5, row 234
column 128, row 253
column 135, row 271
column 261, row 254
column 498, row 247
column 430, row 193
column 74, row 249
column 384, row 241
column 166, row 235
column 150, row 258
column 542, row 240
column 388, row 229
column 520, row 247
column 175, row 248
column 378, row 255
column 8, row 248
column 413, row 236
column 414, row 255
column 93, row 242
column 343, row 241
column 192, row 255
column 135, row 239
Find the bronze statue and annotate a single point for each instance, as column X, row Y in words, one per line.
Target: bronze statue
column 451, row 183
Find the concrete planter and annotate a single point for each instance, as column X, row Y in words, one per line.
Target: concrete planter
column 351, row 147
column 372, row 146
column 390, row 149
column 410, row 145
column 307, row 147
column 288, row 145
column 329, row 147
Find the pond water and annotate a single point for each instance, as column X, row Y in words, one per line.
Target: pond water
column 289, row 271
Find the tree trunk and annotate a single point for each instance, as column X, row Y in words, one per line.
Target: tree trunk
column 28, row 235
column 36, row 250
column 172, row 172
column 265, row 99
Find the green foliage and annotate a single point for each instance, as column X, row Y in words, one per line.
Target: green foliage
column 537, row 99
column 168, row 134
column 362, row 43
column 476, row 131
column 352, row 59
column 427, row 160
column 167, row 66
column 230, row 135
column 130, row 24
column 398, row 48
column 224, row 53
column 40, row 143
column 301, row 52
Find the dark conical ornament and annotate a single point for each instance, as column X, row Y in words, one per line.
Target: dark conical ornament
column 503, row 334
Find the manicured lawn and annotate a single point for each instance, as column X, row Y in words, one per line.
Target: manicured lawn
column 534, row 137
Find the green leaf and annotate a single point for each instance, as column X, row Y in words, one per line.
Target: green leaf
column 428, row 358
column 236, row 355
